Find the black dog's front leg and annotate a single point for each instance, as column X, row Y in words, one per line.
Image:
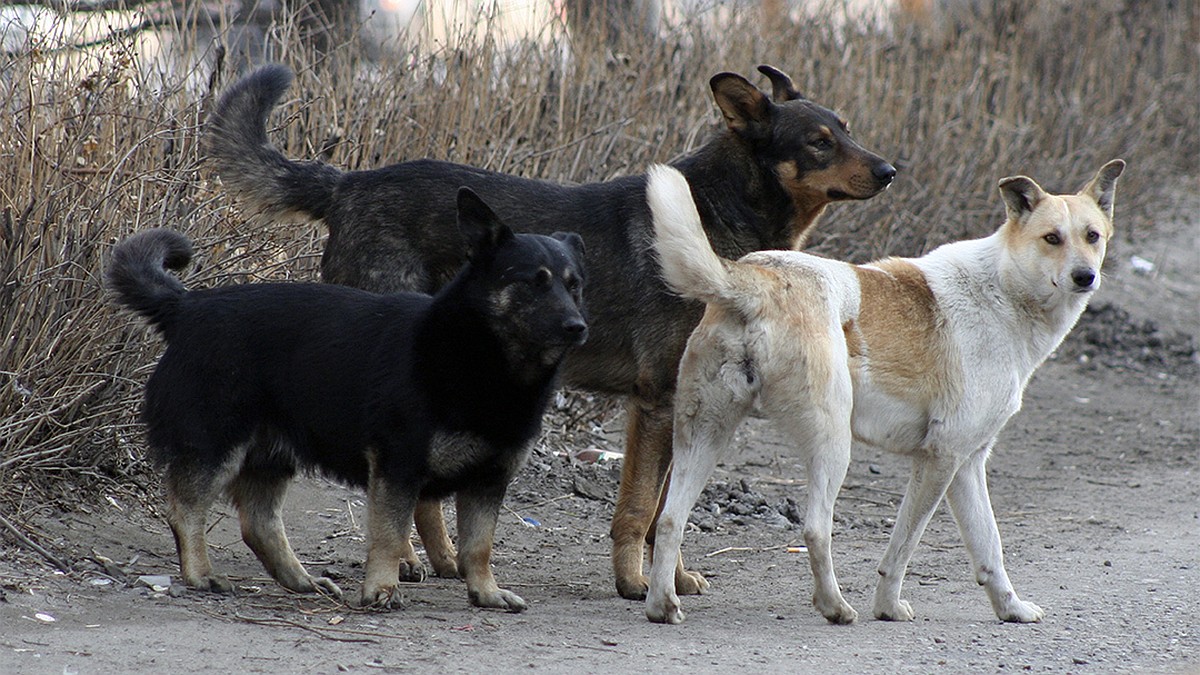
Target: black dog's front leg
column 390, row 509
column 478, row 509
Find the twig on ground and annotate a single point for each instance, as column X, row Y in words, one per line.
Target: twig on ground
column 33, row 545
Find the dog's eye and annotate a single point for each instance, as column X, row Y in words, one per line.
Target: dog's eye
column 1093, row 236
column 822, row 145
column 542, row 278
column 1053, row 239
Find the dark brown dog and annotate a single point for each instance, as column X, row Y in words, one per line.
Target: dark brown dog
column 759, row 184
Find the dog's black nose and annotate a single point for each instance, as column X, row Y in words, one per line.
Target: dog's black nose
column 1083, row 278
column 574, row 326
column 884, row 172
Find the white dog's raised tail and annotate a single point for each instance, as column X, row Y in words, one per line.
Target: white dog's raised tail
column 689, row 265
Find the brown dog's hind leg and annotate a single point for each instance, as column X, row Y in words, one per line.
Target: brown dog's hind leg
column 431, row 525
column 643, row 475
column 258, row 497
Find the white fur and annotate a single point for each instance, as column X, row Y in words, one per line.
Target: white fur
column 774, row 337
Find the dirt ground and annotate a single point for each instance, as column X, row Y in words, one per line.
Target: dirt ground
column 1096, row 484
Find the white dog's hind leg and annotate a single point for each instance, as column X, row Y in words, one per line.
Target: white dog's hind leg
column 931, row 476
column 972, row 508
column 821, row 432
column 826, row 472
column 706, row 417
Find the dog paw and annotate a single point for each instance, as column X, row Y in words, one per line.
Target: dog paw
column 1022, row 612
column 412, row 570
column 498, row 599
column 446, row 568
column 901, row 610
column 837, row 611
column 691, row 583
column 664, row 610
column 213, row 583
column 326, row 586
column 633, row 588
column 383, row 597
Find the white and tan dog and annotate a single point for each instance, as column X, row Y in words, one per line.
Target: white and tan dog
column 927, row 357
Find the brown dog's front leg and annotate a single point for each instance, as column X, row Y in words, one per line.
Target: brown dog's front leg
column 643, row 475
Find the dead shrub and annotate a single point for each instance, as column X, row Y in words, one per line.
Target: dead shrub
column 95, row 148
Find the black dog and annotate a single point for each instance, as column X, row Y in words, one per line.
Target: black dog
column 759, row 184
column 407, row 395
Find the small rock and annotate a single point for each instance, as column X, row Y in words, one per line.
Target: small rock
column 586, row 488
column 155, row 582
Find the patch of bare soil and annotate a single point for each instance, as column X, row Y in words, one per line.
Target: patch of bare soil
column 1096, row 484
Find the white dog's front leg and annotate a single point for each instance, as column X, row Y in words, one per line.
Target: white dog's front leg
column 972, row 508
column 930, row 477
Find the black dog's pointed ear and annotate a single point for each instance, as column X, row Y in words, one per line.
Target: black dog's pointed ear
column 479, row 224
column 1103, row 186
column 1021, row 196
column 783, row 88
column 574, row 241
column 747, row 110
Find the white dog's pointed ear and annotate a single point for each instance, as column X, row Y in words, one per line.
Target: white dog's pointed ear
column 1103, row 186
column 1021, row 196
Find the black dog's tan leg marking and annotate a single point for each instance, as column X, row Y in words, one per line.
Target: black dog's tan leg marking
column 259, row 499
column 389, row 523
column 190, row 493
column 643, row 475
column 477, row 513
column 431, row 525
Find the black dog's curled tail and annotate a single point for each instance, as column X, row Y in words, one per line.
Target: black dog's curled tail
column 137, row 274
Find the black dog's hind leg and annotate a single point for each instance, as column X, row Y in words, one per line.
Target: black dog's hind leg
column 258, row 494
column 432, row 527
column 191, row 490
column 478, row 510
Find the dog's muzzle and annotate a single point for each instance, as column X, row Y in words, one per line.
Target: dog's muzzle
column 575, row 331
column 884, row 173
column 1084, row 280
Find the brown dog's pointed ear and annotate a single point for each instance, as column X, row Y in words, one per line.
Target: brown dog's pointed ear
column 746, row 109
column 1103, row 186
column 783, row 88
column 480, row 226
column 1021, row 196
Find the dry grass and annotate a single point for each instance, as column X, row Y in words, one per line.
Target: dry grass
column 1053, row 95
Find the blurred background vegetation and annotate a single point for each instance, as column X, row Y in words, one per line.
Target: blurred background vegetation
column 105, row 102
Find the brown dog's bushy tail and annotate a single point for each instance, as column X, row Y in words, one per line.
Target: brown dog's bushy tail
column 250, row 166
column 137, row 274
column 689, row 265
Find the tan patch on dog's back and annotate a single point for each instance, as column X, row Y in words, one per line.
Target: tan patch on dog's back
column 897, row 336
